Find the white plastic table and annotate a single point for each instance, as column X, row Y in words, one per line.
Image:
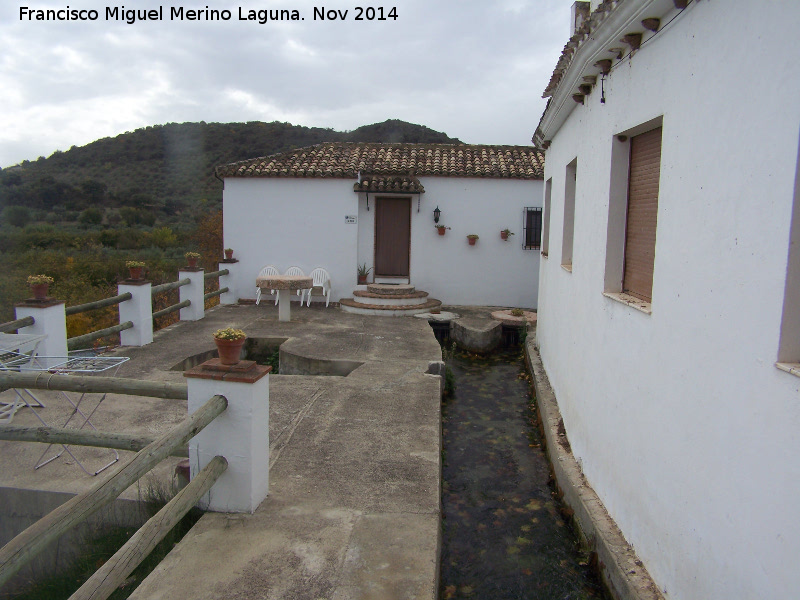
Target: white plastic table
column 285, row 285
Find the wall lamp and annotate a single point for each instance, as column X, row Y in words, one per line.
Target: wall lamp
column 436, row 214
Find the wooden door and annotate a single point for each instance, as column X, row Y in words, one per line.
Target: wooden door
column 640, row 231
column 392, row 237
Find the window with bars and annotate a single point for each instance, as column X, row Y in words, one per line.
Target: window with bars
column 532, row 228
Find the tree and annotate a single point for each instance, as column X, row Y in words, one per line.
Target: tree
column 91, row 216
column 18, row 216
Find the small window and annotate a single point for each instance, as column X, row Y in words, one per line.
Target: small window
column 789, row 344
column 532, row 228
column 569, row 214
column 548, row 187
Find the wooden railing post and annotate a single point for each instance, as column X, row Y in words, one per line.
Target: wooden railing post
column 241, row 434
column 138, row 310
column 229, row 281
column 192, row 292
column 49, row 318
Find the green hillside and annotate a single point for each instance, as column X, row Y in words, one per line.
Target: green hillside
column 153, row 174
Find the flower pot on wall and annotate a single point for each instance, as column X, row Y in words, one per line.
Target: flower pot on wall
column 39, row 290
column 472, row 238
column 229, row 351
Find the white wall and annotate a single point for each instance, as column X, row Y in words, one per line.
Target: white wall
column 302, row 222
column 291, row 222
column 680, row 419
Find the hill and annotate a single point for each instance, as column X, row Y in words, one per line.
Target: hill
column 154, row 173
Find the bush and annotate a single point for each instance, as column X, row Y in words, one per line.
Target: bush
column 91, row 216
column 18, row 216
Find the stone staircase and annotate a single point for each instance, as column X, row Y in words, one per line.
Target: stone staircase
column 389, row 300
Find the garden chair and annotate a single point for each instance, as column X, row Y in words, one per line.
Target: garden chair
column 298, row 271
column 265, row 272
column 321, row 279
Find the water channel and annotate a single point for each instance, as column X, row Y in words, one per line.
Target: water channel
column 503, row 533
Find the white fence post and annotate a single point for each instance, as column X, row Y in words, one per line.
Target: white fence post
column 50, row 319
column 138, row 310
column 240, row 434
column 194, row 291
column 229, row 281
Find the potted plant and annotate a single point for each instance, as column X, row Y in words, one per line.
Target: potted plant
column 192, row 257
column 39, row 284
column 472, row 238
column 441, row 229
column 229, row 343
column 228, row 253
column 505, row 233
column 135, row 268
column 363, row 271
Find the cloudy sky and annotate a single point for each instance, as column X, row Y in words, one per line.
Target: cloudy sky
column 474, row 69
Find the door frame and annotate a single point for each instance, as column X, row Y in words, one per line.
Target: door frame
column 376, row 275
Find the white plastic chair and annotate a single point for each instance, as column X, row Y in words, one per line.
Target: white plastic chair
column 297, row 271
column 266, row 272
column 321, row 279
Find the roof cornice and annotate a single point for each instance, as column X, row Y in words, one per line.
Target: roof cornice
column 625, row 18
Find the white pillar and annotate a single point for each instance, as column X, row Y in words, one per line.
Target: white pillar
column 194, row 291
column 240, row 433
column 138, row 310
column 49, row 319
column 285, row 304
column 229, row 281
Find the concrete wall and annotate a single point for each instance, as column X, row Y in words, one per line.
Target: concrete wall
column 680, row 419
column 302, row 222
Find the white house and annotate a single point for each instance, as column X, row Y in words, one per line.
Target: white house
column 669, row 291
column 341, row 205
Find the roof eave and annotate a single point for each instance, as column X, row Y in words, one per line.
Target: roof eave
column 625, row 18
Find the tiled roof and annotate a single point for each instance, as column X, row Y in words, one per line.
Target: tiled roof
column 346, row 159
column 389, row 183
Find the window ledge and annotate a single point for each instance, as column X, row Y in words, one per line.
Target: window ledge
column 793, row 368
column 567, row 268
column 631, row 301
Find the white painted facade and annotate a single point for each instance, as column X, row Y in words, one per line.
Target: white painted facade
column 682, row 422
column 302, row 222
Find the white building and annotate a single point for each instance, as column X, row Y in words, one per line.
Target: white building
column 669, row 298
column 341, row 205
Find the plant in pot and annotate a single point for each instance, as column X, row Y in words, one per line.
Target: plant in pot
column 228, row 253
column 363, row 271
column 135, row 268
column 39, row 285
column 441, row 229
column 192, row 257
column 229, row 343
column 505, row 233
column 472, row 238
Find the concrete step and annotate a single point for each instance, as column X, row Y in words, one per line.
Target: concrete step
column 387, row 310
column 414, row 298
column 387, row 288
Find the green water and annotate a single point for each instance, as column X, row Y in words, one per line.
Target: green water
column 503, row 533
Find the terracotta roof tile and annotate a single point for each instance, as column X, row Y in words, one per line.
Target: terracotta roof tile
column 346, row 159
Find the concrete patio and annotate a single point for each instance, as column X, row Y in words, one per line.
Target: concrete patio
column 354, row 503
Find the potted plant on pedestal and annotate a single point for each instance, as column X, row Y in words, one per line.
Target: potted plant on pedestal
column 505, row 233
column 39, row 285
column 472, row 238
column 228, row 253
column 363, row 271
column 135, row 268
column 229, row 343
column 192, row 257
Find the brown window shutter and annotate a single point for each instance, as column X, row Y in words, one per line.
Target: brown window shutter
column 640, row 232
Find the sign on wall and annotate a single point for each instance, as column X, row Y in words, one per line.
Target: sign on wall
column 350, row 219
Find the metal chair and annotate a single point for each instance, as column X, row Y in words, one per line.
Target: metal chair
column 266, row 272
column 321, row 279
column 298, row 271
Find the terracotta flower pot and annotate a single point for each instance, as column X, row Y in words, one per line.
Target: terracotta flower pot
column 39, row 290
column 362, row 279
column 472, row 241
column 441, row 230
column 135, row 272
column 228, row 254
column 192, row 262
column 229, row 351
column 503, row 235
